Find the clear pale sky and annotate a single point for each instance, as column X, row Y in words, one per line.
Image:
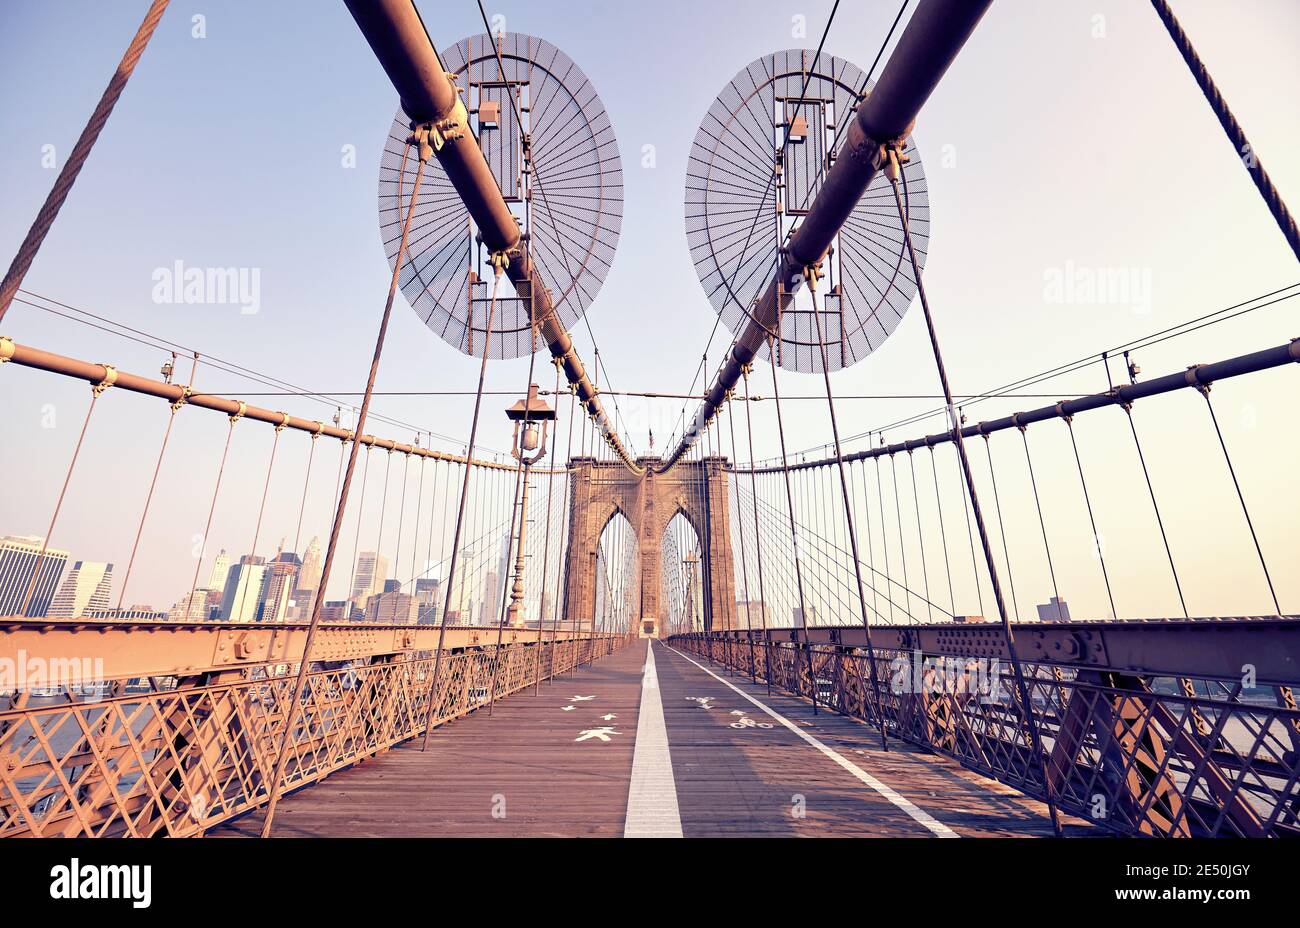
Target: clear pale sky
column 1065, row 148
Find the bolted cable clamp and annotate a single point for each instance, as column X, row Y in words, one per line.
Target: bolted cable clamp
column 110, row 378
column 184, row 398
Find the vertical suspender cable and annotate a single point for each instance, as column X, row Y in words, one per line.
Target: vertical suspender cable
column 261, row 511
column 920, row 536
column 212, row 507
column 516, row 502
column 63, row 492
column 1087, row 500
column 356, row 538
column 1204, row 390
column 758, row 536
column 943, row 532
column 810, row 275
column 884, row 539
column 430, row 700
column 566, row 551
column 744, row 564
column 893, row 171
column 1160, row 522
column 546, row 545
column 794, row 537
column 295, row 702
column 1002, row 528
column 148, row 499
column 1042, row 523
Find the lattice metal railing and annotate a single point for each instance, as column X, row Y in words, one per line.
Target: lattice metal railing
column 176, row 756
column 1135, row 754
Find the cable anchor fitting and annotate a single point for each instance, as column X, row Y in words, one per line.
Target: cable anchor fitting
column 894, row 157
column 110, row 378
column 1193, row 380
column 184, row 398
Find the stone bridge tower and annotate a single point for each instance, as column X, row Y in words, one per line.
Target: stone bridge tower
column 598, row 490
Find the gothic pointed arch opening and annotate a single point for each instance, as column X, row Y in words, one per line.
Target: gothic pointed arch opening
column 617, row 590
column 682, row 591
column 648, row 501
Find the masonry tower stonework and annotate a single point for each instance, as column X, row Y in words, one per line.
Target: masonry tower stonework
column 599, row 490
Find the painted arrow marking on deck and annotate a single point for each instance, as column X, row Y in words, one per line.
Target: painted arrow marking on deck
column 581, row 698
column 609, row 717
column 567, row 708
column 603, row 733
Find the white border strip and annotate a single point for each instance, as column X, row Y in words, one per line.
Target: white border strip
column 652, row 794
column 921, row 816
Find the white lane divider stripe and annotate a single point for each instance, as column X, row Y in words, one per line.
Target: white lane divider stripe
column 920, row 815
column 652, row 794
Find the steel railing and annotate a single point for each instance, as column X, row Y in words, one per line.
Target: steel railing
column 1135, row 753
column 176, row 756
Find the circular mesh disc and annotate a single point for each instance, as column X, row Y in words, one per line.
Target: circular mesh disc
column 570, row 205
column 739, row 210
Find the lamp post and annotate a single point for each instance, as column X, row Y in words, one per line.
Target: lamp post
column 527, row 449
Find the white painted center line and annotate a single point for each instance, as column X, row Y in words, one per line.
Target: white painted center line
column 920, row 815
column 652, row 795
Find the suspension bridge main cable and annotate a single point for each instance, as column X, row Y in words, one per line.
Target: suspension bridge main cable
column 842, row 124
column 702, row 368
column 597, row 364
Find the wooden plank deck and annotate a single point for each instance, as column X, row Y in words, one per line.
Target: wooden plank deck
column 559, row 764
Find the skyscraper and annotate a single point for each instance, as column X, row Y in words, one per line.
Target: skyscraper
column 220, row 571
column 18, row 559
column 392, row 606
column 491, row 614
column 429, row 599
column 277, row 589
column 1054, row 610
column 372, row 571
column 87, row 586
column 192, row 607
column 243, row 590
column 309, row 574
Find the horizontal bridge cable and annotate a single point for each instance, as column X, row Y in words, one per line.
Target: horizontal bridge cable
column 1196, row 376
column 1223, row 314
column 847, row 561
column 652, row 395
column 149, row 340
column 27, row 356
